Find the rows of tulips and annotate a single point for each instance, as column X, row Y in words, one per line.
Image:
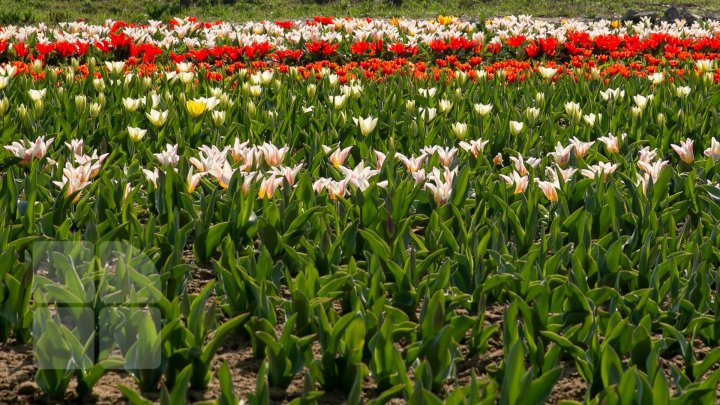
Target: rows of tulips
column 360, row 228
column 347, row 39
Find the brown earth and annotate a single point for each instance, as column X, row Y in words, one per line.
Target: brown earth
column 17, row 371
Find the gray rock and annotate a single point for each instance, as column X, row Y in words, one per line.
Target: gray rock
column 673, row 13
column 636, row 16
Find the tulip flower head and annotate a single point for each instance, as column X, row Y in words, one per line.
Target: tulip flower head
column 547, row 72
column 195, row 108
column 682, row 91
column 445, row 105
column 136, row 134
column 289, row 173
column 157, row 118
column 273, row 155
column 561, row 156
column 440, row 184
column 601, row 169
column 152, row 176
column 612, row 94
column 646, row 155
column 366, row 125
column 475, row 147
column 714, row 150
column 427, row 114
column 74, row 179
column 379, row 159
column 685, row 150
column 653, row 169
column 27, row 151
column 498, row 159
column 169, row 156
column 337, row 158
column 516, row 127
column 445, row 154
column 549, row 189
column 581, row 148
column 412, row 163
column 268, row 186
column 611, row 143
column 519, row 163
column 517, row 180
column 483, row 109
column 359, row 176
column 193, row 180
column 459, row 129
column 573, row 111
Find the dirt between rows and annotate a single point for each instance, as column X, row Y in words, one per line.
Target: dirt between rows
column 17, row 371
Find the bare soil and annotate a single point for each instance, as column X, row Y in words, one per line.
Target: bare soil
column 17, row 371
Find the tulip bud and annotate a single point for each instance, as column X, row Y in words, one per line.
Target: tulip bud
column 218, row 118
column 95, row 109
column 99, row 84
column 37, row 66
column 136, row 134
column 154, row 100
column 445, row 105
column 22, row 111
column 38, row 104
column 573, row 110
column 311, row 89
column 225, row 101
column 708, row 77
column 255, row 91
column 532, row 114
column 483, row 109
column 80, row 102
column 251, row 109
column 4, row 106
column 516, row 127
column 661, row 119
column 498, row 159
column 460, row 130
column 187, row 77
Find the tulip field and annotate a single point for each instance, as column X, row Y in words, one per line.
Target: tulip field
column 357, row 210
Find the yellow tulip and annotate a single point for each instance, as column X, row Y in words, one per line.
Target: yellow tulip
column 195, row 108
